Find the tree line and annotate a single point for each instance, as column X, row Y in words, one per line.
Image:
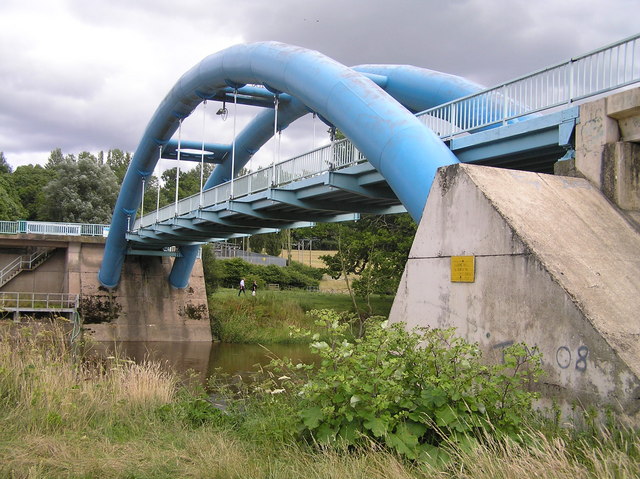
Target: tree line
column 82, row 188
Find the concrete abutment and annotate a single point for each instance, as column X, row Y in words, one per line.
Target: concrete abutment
column 555, row 258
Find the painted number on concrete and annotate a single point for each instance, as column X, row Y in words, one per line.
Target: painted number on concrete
column 564, row 358
column 463, row 269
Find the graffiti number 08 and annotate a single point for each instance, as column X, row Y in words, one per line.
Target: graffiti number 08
column 563, row 358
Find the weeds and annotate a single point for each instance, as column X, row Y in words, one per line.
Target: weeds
column 269, row 317
column 65, row 416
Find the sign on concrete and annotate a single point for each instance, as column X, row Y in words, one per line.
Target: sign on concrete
column 463, row 269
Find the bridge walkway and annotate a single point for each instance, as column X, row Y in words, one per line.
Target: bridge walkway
column 337, row 183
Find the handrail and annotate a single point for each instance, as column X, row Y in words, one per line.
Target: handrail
column 605, row 69
column 21, row 263
column 10, row 268
column 53, row 228
column 38, row 301
column 608, row 68
column 340, row 154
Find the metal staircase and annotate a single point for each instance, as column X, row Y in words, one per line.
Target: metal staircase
column 24, row 263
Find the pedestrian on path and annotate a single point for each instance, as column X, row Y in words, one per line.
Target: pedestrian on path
column 254, row 288
column 242, row 288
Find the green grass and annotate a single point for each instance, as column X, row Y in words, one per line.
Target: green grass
column 64, row 417
column 269, row 316
column 380, row 305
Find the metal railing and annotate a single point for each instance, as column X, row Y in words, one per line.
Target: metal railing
column 11, row 301
column 8, row 227
column 53, row 228
column 340, row 154
column 21, row 263
column 249, row 256
column 602, row 70
column 612, row 67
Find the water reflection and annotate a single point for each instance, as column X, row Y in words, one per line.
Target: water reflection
column 204, row 359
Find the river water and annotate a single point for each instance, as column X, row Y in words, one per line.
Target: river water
column 202, row 360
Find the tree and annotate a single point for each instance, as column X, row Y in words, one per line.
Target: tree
column 213, row 270
column 29, row 182
column 375, row 249
column 189, row 183
column 271, row 243
column 10, row 206
column 5, row 167
column 83, row 191
column 118, row 161
column 56, row 157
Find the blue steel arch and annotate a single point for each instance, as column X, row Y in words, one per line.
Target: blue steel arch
column 417, row 89
column 403, row 150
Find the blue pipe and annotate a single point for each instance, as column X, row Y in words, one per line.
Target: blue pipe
column 419, row 88
column 405, row 152
column 181, row 270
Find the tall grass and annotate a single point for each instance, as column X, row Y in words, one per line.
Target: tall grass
column 268, row 317
column 44, row 388
column 543, row 457
column 65, row 416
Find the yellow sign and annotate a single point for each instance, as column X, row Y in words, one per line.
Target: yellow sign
column 463, row 269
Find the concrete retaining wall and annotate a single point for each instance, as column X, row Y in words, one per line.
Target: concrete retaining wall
column 143, row 307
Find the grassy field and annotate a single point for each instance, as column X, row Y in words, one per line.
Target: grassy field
column 309, row 258
column 312, row 258
column 268, row 317
column 61, row 416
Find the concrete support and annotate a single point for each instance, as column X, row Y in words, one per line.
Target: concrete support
column 144, row 305
column 73, row 268
column 556, row 266
column 593, row 132
column 625, row 109
column 621, row 174
column 608, row 149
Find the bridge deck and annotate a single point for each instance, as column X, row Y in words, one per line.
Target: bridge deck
column 341, row 194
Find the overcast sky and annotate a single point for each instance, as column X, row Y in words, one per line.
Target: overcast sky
column 87, row 75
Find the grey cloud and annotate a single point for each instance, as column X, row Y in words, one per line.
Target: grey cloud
column 100, row 100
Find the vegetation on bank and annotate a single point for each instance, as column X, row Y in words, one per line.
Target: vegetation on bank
column 228, row 272
column 64, row 415
column 270, row 316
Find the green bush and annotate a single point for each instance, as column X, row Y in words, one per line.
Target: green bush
column 212, row 268
column 266, row 318
column 229, row 272
column 414, row 391
column 315, row 273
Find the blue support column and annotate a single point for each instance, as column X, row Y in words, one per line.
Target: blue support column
column 182, row 266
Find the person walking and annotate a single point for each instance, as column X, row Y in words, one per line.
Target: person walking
column 254, row 288
column 242, row 288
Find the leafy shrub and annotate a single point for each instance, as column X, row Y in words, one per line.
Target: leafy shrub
column 315, row 273
column 230, row 271
column 212, row 269
column 191, row 410
column 414, row 391
column 266, row 318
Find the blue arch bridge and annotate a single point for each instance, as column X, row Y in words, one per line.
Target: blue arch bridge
column 401, row 124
